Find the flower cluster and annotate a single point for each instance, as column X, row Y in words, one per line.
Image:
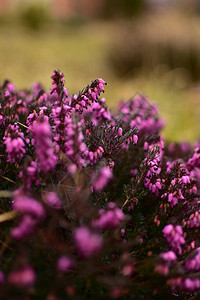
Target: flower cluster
column 174, row 236
column 100, row 179
column 193, row 263
column 87, row 243
column 94, row 200
column 46, row 157
column 32, row 212
column 110, row 218
column 14, row 142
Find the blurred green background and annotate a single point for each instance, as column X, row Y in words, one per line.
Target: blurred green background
column 146, row 46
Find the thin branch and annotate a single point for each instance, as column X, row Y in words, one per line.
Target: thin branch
column 24, row 125
column 8, row 179
column 6, row 194
column 7, row 216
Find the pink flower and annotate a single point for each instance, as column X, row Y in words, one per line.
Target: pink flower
column 25, row 228
column 27, row 205
column 100, row 179
column 52, row 200
column 44, row 147
column 24, row 277
column 110, row 218
column 2, row 277
column 128, row 269
column 194, row 263
column 15, row 148
column 87, row 242
column 167, row 229
column 169, row 256
column 191, row 284
column 65, row 264
column 162, row 270
column 174, row 236
column 135, row 139
column 120, row 131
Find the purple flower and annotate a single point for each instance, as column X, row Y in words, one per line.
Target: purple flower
column 10, row 87
column 36, row 89
column 58, row 82
column 191, row 284
column 26, row 205
column 24, row 277
column 168, row 229
column 135, row 139
column 172, row 200
column 174, row 236
column 25, row 228
column 52, row 200
column 14, row 148
column 169, row 256
column 87, row 242
column 185, row 179
column 97, row 112
column 89, row 95
column 110, row 218
column 101, row 178
column 65, row 264
column 120, row 131
column 194, row 220
column 2, row 277
column 47, row 159
column 194, row 263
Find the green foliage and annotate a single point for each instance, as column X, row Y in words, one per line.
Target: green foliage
column 121, row 8
column 34, row 17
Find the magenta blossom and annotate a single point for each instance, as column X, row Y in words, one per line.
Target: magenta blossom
column 15, row 148
column 87, row 242
column 25, row 228
column 101, row 178
column 52, row 200
column 110, row 218
column 24, row 277
column 27, row 205
column 194, row 263
column 65, row 264
column 2, row 277
column 174, row 236
column 169, row 256
column 47, row 159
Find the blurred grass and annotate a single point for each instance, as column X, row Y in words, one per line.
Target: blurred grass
column 27, row 56
column 81, row 52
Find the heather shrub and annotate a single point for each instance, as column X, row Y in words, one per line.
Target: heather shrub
column 93, row 203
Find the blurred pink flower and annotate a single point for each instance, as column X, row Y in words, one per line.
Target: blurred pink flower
column 87, row 242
